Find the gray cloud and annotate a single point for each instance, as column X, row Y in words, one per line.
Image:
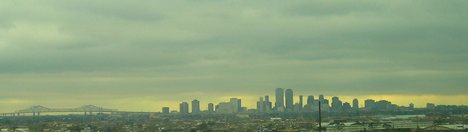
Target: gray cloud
column 124, row 49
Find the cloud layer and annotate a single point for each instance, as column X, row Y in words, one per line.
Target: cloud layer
column 54, row 52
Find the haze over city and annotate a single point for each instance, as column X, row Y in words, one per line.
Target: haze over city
column 143, row 55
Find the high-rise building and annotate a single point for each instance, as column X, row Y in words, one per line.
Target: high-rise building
column 346, row 107
column 268, row 104
column 325, row 105
column 369, row 104
column 301, row 102
column 237, row 106
column 261, row 105
column 195, row 106
column 321, row 98
column 210, row 107
column 279, row 97
column 355, row 104
column 184, row 108
column 336, row 104
column 384, row 105
column 309, row 106
column 324, row 102
column 165, row 110
column 289, row 100
column 310, row 100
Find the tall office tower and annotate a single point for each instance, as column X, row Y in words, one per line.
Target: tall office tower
column 355, row 104
column 310, row 100
column 268, row 104
column 346, row 107
column 324, row 102
column 184, row 108
column 289, row 100
column 336, row 104
column 261, row 105
column 236, row 103
column 301, row 102
column 210, row 107
column 279, row 104
column 195, row 106
column 325, row 105
column 309, row 106
column 369, row 104
column 384, row 105
column 165, row 110
column 239, row 106
column 321, row 98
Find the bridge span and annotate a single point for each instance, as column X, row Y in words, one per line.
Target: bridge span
column 37, row 110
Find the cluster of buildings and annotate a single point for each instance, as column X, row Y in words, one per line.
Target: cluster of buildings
column 233, row 106
column 284, row 102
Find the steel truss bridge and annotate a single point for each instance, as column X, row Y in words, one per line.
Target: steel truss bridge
column 37, row 110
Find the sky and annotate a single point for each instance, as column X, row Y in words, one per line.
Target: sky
column 143, row 55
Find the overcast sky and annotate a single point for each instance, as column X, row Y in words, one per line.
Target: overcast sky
column 142, row 55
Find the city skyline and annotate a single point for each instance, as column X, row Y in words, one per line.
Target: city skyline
column 403, row 101
column 330, row 102
column 143, row 55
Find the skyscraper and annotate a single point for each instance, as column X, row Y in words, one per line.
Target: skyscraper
column 369, row 104
column 321, row 98
column 279, row 104
column 355, row 104
column 261, row 105
column 310, row 100
column 324, row 102
column 309, row 106
column 165, row 110
column 268, row 104
column 237, row 106
column 184, row 108
column 301, row 102
column 325, row 105
column 336, row 104
column 346, row 107
column 210, row 107
column 384, row 105
column 195, row 106
column 289, row 100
